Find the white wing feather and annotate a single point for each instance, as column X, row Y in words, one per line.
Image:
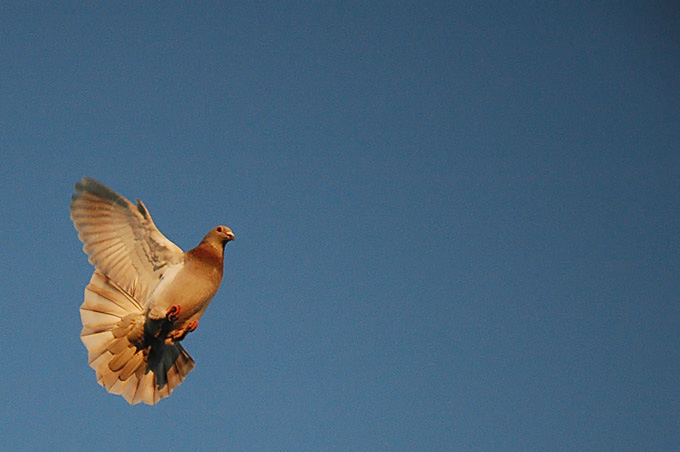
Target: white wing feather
column 121, row 239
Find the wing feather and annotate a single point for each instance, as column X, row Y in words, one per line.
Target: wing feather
column 120, row 238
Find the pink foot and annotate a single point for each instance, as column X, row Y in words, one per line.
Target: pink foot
column 173, row 313
column 179, row 335
column 191, row 326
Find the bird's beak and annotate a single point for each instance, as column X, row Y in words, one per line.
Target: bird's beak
column 230, row 237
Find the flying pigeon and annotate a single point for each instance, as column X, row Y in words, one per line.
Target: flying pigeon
column 145, row 295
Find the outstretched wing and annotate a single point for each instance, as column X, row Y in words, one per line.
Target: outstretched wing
column 121, row 239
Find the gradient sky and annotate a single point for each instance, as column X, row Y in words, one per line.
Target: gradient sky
column 457, row 223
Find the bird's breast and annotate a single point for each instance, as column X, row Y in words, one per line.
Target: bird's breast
column 190, row 285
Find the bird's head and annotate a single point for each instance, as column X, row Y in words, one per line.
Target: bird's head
column 223, row 234
column 218, row 237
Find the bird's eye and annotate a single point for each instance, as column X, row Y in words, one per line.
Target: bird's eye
column 219, row 229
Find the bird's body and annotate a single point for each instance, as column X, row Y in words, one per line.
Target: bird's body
column 145, row 295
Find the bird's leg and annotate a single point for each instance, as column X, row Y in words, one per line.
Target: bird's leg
column 191, row 326
column 178, row 335
column 173, row 313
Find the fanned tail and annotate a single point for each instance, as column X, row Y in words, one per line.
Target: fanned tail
column 113, row 333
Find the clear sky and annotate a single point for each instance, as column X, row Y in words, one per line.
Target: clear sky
column 457, row 223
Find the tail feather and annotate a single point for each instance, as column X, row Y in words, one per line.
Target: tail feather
column 113, row 333
column 131, row 366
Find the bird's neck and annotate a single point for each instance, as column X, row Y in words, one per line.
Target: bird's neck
column 208, row 255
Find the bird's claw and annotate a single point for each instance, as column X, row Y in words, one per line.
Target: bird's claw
column 179, row 335
column 191, row 326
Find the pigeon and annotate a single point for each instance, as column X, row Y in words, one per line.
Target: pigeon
column 145, row 294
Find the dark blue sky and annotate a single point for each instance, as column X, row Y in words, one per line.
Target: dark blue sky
column 456, row 223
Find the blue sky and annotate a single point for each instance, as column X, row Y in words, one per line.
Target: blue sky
column 456, row 222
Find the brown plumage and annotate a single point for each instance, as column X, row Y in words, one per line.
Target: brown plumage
column 145, row 295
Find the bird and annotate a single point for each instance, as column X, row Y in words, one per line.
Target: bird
column 145, row 294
